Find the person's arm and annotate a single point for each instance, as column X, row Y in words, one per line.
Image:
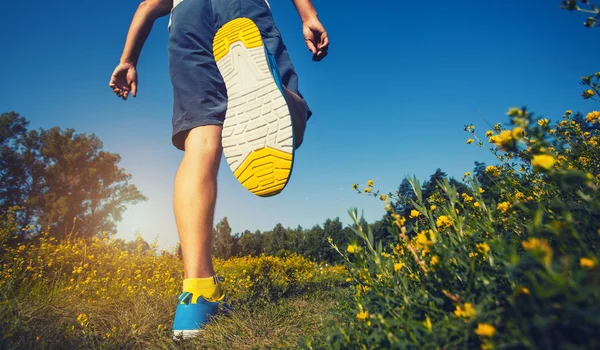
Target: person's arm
column 315, row 35
column 124, row 78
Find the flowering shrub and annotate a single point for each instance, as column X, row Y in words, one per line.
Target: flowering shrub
column 512, row 264
column 99, row 290
column 104, row 268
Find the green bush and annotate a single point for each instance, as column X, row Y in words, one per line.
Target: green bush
column 511, row 265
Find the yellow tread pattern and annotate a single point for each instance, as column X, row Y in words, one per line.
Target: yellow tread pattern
column 265, row 172
column 239, row 29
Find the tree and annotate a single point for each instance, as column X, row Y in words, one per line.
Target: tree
column 250, row 243
column 224, row 244
column 274, row 241
column 64, row 180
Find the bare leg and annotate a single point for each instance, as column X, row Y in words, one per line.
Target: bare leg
column 194, row 199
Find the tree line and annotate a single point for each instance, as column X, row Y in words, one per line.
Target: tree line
column 63, row 182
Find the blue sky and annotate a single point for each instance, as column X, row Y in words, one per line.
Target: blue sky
column 391, row 99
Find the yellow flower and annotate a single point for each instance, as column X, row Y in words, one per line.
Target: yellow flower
column 586, row 262
column 476, row 205
column 363, row 315
column 492, row 170
column 398, row 267
column 433, row 207
column 541, row 246
column 588, row 93
column 481, row 190
column 520, row 196
column 466, row 311
column 469, row 141
column 504, row 139
column 414, row 214
column 489, row 133
column 352, row 248
column 503, row 207
column 514, row 112
column 367, row 190
column 569, row 112
column 543, row 122
column 355, row 186
column 593, row 117
column 370, row 183
column 443, row 221
column 383, row 197
column 427, row 323
column 467, row 174
column 483, row 247
column 485, row 330
column 543, row 162
column 523, row 290
column 434, row 260
column 517, row 133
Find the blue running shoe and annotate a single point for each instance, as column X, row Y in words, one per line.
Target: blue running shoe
column 190, row 317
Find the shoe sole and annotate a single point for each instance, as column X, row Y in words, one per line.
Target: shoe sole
column 185, row 334
column 258, row 139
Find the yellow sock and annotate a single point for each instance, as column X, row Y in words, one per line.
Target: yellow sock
column 209, row 288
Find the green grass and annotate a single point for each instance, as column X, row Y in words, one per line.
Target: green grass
column 48, row 320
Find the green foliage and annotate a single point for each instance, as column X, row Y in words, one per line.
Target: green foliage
column 512, row 264
column 61, row 179
column 587, row 7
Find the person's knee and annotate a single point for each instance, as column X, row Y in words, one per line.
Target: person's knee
column 204, row 139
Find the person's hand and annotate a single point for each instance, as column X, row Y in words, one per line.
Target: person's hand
column 124, row 80
column 315, row 37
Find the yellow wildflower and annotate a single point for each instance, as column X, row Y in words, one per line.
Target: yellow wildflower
column 398, row 266
column 586, row 262
column 588, row 93
column 485, row 330
column 503, row 207
column 593, row 117
column 539, row 245
column 414, row 214
column 543, row 162
column 569, row 112
column 543, row 122
column 434, row 260
column 469, row 141
column 517, row 133
column 514, row 111
column 466, row 311
column 363, row 315
column 383, row 197
column 481, row 190
column 443, row 221
column 352, row 248
column 427, row 323
column 476, row 205
column 492, row 170
column 483, row 247
column 520, row 196
column 367, row 190
column 370, row 183
column 433, row 207
column 467, row 174
column 489, row 133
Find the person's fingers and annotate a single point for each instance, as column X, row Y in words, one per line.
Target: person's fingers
column 311, row 45
column 324, row 42
column 134, row 89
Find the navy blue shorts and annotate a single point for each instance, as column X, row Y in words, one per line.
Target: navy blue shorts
column 200, row 96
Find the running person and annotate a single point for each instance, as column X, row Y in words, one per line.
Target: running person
column 235, row 92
